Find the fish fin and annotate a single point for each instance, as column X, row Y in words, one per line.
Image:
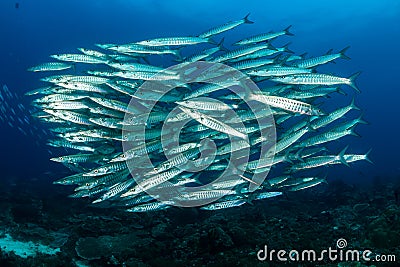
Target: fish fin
column 212, row 41
column 246, row 19
column 74, row 67
column 367, row 156
column 338, row 90
column 287, row 158
column 287, row 32
column 177, row 54
column 360, row 120
column 270, row 46
column 250, row 199
column 341, row 52
column 352, row 79
column 298, row 154
column 280, row 59
column 238, row 190
column 341, row 156
column 352, row 132
column 286, row 48
column 303, row 55
column 221, row 45
column 353, row 105
column 145, row 60
column 329, row 52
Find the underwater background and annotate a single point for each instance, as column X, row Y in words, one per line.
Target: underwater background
column 32, row 30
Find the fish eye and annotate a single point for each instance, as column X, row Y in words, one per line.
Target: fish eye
column 61, row 158
column 96, row 171
column 87, row 184
column 123, row 156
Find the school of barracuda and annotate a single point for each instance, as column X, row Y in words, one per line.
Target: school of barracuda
column 86, row 112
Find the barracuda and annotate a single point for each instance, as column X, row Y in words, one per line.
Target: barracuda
column 226, row 27
column 319, row 79
column 51, row 66
column 264, row 37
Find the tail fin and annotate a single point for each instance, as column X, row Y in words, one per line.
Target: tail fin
column 281, row 59
column 340, row 91
column 298, row 154
column 211, row 41
column 329, row 52
column 352, row 132
column 286, row 48
column 352, row 79
column 342, row 55
column 177, row 54
column 353, row 105
column 367, row 158
column 246, row 19
column 303, row 55
column 270, row 46
column 341, row 156
column 287, row 158
column 221, row 45
column 360, row 120
column 287, row 32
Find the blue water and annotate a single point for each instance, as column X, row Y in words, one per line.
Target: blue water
column 36, row 29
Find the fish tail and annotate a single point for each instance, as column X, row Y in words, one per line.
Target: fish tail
column 352, row 79
column 303, row 55
column 353, row 105
column 342, row 55
column 341, row 156
column 367, row 156
column 287, row 158
column 360, row 120
column 177, row 54
column 246, row 19
column 221, row 45
column 287, row 32
column 352, row 132
column 270, row 46
column 338, row 90
column 286, row 48
column 212, row 41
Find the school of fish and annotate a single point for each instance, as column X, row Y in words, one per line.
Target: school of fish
column 87, row 105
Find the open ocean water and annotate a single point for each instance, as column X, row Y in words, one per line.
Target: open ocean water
column 359, row 205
